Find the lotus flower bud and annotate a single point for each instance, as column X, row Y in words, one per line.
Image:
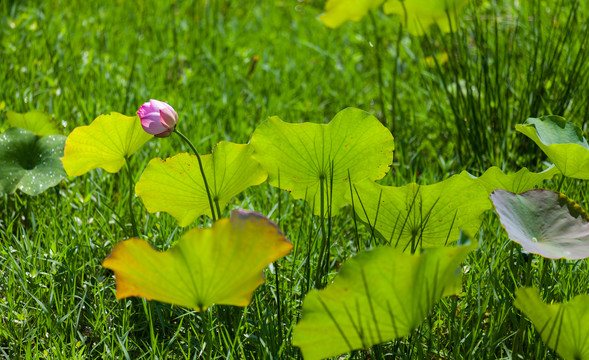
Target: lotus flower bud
column 157, row 118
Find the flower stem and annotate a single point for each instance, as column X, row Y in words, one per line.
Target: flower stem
column 202, row 171
column 131, row 194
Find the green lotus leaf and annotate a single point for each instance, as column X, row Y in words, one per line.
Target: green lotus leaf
column 544, row 222
column 418, row 15
column 37, row 122
column 562, row 326
column 220, row 265
column 562, row 142
column 378, row 296
column 422, row 215
column 175, row 185
column 105, row 143
column 29, row 162
column 301, row 157
column 521, row 181
column 339, row 11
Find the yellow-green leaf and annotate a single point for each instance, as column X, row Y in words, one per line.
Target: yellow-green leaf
column 38, row 122
column 220, row 265
column 339, row 11
column 103, row 144
column 419, row 15
column 175, row 185
column 562, row 326
column 521, row 181
column 377, row 296
column 303, row 157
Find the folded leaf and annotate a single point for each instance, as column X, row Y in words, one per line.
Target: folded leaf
column 220, row 265
column 37, row 122
column 544, row 222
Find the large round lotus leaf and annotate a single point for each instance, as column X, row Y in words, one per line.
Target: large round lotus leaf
column 37, row 122
column 339, row 11
column 221, row 265
column 29, row 162
column 299, row 157
column 562, row 326
column 562, row 142
column 377, row 296
column 521, row 181
column 544, row 222
column 418, row 15
column 175, row 185
column 105, row 143
column 422, row 215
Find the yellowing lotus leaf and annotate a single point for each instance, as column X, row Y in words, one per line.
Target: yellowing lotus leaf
column 175, row 185
column 105, row 143
column 220, row 265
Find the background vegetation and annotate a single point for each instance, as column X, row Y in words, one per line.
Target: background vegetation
column 507, row 61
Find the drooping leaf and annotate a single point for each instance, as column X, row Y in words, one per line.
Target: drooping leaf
column 37, row 122
column 377, row 296
column 175, row 185
column 544, row 222
column 339, row 11
column 418, row 15
column 105, row 143
column 521, row 181
column 220, row 265
column 562, row 142
column 299, row 157
column 422, row 215
column 29, row 162
column 562, row 326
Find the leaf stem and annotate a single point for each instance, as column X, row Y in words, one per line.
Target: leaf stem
column 202, row 171
column 131, row 194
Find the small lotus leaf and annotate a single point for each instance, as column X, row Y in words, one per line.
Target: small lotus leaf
column 422, row 215
column 175, row 185
column 220, row 265
column 377, row 296
column 29, row 162
column 419, row 15
column 299, row 157
column 562, row 326
column 562, row 142
column 339, row 11
column 37, row 122
column 105, row 143
column 521, row 181
column 544, row 222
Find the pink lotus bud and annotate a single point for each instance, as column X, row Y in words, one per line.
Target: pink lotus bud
column 157, row 118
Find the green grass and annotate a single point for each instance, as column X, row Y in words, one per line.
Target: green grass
column 78, row 60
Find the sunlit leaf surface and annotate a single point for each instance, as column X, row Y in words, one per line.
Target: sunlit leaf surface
column 339, row 11
column 105, row 143
column 377, row 296
column 414, row 216
column 562, row 142
column 418, row 15
column 544, row 222
column 29, row 162
column 220, row 265
column 37, row 122
column 299, row 157
column 520, row 181
column 175, row 185
column 562, row 326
